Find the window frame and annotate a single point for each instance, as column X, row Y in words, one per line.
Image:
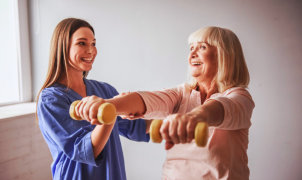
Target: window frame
column 20, row 12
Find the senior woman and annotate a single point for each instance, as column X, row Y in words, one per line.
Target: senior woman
column 218, row 96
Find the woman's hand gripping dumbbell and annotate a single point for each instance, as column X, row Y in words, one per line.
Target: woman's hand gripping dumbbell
column 106, row 113
column 200, row 133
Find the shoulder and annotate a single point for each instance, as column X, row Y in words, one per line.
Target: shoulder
column 235, row 94
column 54, row 93
column 180, row 88
column 177, row 91
column 186, row 89
column 99, row 83
column 237, row 90
column 53, row 101
column 102, row 86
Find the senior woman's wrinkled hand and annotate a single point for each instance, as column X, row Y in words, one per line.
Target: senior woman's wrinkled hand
column 87, row 108
column 179, row 128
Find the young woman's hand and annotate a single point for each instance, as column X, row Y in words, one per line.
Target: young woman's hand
column 87, row 108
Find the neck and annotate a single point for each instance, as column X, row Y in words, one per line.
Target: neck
column 75, row 82
column 206, row 89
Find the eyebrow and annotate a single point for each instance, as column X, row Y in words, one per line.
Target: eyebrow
column 203, row 42
column 84, row 39
column 198, row 42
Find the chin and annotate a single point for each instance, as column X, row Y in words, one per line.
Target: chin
column 87, row 68
column 195, row 74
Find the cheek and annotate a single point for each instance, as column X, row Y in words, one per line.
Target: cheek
column 211, row 59
column 95, row 51
column 210, row 56
column 72, row 53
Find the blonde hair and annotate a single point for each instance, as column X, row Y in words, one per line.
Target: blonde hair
column 232, row 69
column 59, row 51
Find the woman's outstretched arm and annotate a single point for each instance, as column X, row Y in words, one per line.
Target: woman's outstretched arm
column 129, row 105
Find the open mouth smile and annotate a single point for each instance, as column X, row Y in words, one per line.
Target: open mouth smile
column 196, row 63
column 87, row 59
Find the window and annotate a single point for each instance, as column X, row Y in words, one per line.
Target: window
column 15, row 71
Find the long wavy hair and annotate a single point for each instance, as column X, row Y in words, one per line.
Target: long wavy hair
column 59, row 51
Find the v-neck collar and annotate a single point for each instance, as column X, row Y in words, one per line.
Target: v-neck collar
column 75, row 94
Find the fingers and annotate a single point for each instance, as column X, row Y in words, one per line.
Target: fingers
column 95, row 122
column 78, row 109
column 83, row 108
column 168, row 145
column 87, row 108
column 190, row 129
column 164, row 130
column 173, row 129
column 181, row 129
column 93, row 111
column 178, row 128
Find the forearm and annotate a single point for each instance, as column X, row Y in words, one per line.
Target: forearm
column 130, row 104
column 212, row 112
column 99, row 137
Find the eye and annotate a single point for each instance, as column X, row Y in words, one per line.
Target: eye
column 93, row 44
column 81, row 43
column 203, row 47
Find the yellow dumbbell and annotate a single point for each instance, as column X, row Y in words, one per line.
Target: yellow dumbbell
column 106, row 113
column 201, row 132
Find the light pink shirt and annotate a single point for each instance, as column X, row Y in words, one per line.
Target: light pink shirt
column 225, row 156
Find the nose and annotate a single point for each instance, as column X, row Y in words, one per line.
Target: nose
column 91, row 49
column 193, row 53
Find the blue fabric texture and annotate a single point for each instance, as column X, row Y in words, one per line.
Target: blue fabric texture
column 69, row 140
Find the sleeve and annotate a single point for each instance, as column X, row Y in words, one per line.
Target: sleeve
column 238, row 107
column 133, row 129
column 160, row 104
column 74, row 142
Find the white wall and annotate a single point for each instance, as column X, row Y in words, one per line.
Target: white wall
column 143, row 46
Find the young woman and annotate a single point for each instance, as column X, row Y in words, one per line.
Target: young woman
column 79, row 149
column 218, row 96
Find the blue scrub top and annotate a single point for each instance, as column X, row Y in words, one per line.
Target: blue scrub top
column 69, row 140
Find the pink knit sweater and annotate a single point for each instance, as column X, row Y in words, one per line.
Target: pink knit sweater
column 225, row 156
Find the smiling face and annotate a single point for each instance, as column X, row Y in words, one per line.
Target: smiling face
column 82, row 50
column 203, row 61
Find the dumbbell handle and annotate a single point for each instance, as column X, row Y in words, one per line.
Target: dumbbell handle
column 106, row 113
column 201, row 132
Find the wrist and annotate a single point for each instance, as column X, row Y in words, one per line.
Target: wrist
column 200, row 114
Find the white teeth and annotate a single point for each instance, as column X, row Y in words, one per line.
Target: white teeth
column 87, row 59
column 196, row 63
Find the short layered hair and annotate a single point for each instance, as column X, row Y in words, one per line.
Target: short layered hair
column 232, row 69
